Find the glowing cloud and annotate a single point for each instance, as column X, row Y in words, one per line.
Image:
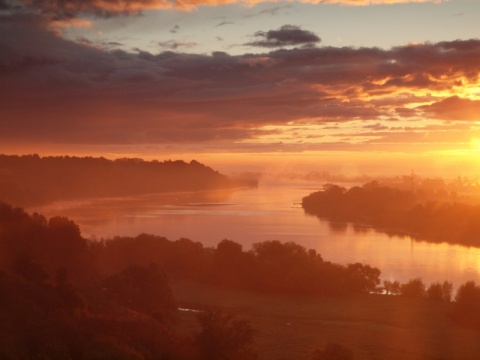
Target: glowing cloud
column 70, row 8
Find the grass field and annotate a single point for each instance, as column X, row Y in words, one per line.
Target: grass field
column 373, row 326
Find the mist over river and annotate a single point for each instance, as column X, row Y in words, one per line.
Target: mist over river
column 269, row 212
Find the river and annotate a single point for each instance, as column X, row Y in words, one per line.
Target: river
column 269, row 212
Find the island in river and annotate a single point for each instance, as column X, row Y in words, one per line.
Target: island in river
column 395, row 211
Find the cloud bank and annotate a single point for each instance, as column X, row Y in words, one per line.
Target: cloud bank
column 60, row 91
column 106, row 8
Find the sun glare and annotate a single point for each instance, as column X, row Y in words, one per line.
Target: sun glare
column 475, row 145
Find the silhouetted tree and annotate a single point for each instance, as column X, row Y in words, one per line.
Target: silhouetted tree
column 363, row 278
column 391, row 287
column 231, row 266
column 413, row 288
column 30, row 270
column 222, row 336
column 144, row 289
column 440, row 292
column 35, row 324
column 467, row 305
column 447, row 291
column 434, row 292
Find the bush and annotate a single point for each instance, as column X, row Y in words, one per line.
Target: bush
column 415, row 288
column 440, row 292
column 468, row 304
column 222, row 336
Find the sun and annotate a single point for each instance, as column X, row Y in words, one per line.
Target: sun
column 475, row 145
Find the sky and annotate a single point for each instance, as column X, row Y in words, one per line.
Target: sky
column 350, row 86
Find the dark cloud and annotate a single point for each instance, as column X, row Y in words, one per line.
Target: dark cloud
column 287, row 35
column 60, row 91
column 454, row 108
column 223, row 23
column 61, row 9
column 5, row 5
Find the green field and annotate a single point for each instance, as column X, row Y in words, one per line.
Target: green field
column 373, row 326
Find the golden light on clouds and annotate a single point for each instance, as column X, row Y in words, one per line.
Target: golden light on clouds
column 68, row 23
column 68, row 7
column 469, row 91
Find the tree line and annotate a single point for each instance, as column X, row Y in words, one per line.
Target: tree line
column 31, row 179
column 396, row 211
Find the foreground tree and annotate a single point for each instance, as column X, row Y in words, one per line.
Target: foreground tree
column 391, row 287
column 363, row 278
column 223, row 336
column 468, row 304
column 143, row 289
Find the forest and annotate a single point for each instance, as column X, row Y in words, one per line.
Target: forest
column 66, row 297
column 436, row 217
column 31, row 179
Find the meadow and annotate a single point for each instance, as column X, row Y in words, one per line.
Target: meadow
column 373, row 326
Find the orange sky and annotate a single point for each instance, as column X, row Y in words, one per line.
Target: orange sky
column 291, row 103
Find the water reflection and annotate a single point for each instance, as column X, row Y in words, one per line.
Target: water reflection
column 337, row 227
column 361, row 229
column 97, row 216
column 269, row 213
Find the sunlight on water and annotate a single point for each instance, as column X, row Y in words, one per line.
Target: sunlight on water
column 269, row 213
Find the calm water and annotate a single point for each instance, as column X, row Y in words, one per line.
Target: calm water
column 268, row 213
